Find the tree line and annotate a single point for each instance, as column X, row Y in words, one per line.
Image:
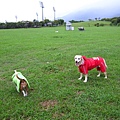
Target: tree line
column 31, row 24
column 115, row 21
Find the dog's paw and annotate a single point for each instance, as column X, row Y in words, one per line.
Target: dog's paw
column 105, row 77
column 85, row 81
column 79, row 78
column 24, row 95
column 98, row 75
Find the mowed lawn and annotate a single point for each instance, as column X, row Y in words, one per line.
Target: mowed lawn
column 46, row 59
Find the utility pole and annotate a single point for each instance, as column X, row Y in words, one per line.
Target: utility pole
column 54, row 12
column 41, row 5
column 16, row 18
column 37, row 15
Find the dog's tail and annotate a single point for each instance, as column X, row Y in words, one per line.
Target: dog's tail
column 105, row 63
column 15, row 71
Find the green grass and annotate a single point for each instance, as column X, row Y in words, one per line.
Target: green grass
column 46, row 59
column 91, row 23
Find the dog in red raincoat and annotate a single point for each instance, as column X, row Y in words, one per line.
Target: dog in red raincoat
column 85, row 64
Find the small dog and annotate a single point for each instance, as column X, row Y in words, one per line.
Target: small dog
column 85, row 64
column 21, row 82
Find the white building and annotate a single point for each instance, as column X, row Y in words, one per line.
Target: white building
column 69, row 26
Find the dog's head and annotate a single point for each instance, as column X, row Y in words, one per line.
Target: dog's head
column 23, row 87
column 78, row 60
column 23, row 84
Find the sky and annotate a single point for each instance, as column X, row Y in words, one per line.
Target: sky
column 27, row 9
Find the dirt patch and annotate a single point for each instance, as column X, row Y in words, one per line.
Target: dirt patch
column 79, row 92
column 48, row 104
column 58, row 115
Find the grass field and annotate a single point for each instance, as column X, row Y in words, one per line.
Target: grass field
column 46, row 59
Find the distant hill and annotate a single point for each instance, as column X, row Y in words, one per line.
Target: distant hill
column 92, row 13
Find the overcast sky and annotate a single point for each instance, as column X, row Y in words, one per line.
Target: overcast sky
column 27, row 9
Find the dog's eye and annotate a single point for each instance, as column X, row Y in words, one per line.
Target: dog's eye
column 78, row 58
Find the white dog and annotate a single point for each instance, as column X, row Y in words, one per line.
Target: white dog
column 85, row 64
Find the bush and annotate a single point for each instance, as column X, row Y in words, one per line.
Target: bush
column 101, row 24
column 97, row 24
column 118, row 24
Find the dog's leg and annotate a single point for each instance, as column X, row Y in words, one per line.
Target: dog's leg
column 26, row 93
column 105, row 73
column 98, row 74
column 80, row 76
column 23, row 93
column 85, row 78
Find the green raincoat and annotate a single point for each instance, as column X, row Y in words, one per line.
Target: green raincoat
column 17, row 81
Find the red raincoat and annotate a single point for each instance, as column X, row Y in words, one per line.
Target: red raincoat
column 90, row 63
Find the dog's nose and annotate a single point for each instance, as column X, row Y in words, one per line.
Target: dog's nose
column 76, row 61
